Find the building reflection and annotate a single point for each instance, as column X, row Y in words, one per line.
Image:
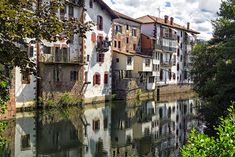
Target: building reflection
column 124, row 129
column 153, row 129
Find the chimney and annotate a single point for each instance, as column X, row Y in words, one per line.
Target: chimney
column 172, row 20
column 166, row 19
column 188, row 25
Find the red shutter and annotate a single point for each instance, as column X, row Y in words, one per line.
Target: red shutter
column 106, row 78
column 93, row 37
column 98, row 79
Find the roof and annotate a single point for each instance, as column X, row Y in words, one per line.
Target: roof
column 124, row 53
column 120, row 15
column 107, row 8
column 152, row 19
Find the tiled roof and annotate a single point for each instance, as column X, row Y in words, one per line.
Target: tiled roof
column 152, row 19
column 126, row 17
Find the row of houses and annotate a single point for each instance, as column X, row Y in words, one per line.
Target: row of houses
column 148, row 50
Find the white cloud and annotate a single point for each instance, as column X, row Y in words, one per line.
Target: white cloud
column 198, row 12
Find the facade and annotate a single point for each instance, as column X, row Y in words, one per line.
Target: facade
column 97, row 71
column 171, row 45
column 61, row 63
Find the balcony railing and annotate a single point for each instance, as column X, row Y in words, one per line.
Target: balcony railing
column 168, row 49
column 166, row 63
column 48, row 58
column 169, row 36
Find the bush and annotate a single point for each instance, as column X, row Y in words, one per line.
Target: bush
column 201, row 145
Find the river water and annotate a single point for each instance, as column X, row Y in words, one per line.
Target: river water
column 118, row 129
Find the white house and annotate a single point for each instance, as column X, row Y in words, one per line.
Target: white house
column 98, row 51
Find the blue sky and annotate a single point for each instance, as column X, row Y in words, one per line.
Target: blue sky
column 198, row 12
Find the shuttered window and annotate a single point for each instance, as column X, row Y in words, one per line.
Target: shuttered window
column 96, row 79
column 99, row 22
column 106, row 77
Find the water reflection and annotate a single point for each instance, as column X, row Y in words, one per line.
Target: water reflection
column 122, row 129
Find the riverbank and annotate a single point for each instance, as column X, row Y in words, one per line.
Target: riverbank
column 161, row 93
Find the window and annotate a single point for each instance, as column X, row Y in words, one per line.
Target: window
column 46, row 50
column 118, row 28
column 73, row 76
column 99, row 43
column 127, row 40
column 91, row 3
column 161, row 75
column 127, row 27
column 96, row 79
column 134, row 32
column 63, row 10
column 105, row 123
column 147, row 62
column 25, row 78
column 134, row 47
column 25, row 142
column 96, row 125
column 115, row 43
column 31, row 51
column 129, row 60
column 119, row 44
column 99, row 22
column 117, row 60
column 106, row 78
column 169, row 74
column 151, row 79
column 178, row 67
column 70, row 11
column 100, row 57
column 56, row 75
column 88, row 58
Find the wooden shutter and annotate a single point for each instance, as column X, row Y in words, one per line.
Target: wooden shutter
column 105, row 78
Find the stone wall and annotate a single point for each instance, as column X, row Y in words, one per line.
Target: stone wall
column 170, row 89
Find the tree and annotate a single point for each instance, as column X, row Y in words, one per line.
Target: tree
column 34, row 19
column 213, row 69
column 201, row 145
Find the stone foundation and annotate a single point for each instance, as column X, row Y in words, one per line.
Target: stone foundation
column 172, row 89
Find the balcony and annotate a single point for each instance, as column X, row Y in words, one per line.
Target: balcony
column 103, row 46
column 166, row 63
column 169, row 36
column 51, row 59
column 168, row 49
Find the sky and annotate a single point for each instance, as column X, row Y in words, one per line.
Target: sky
column 198, row 12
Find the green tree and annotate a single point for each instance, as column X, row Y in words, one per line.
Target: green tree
column 34, row 19
column 214, row 67
column 201, row 145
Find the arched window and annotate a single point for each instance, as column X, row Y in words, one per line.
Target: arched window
column 96, row 79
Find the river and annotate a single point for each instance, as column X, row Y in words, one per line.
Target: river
column 118, row 129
